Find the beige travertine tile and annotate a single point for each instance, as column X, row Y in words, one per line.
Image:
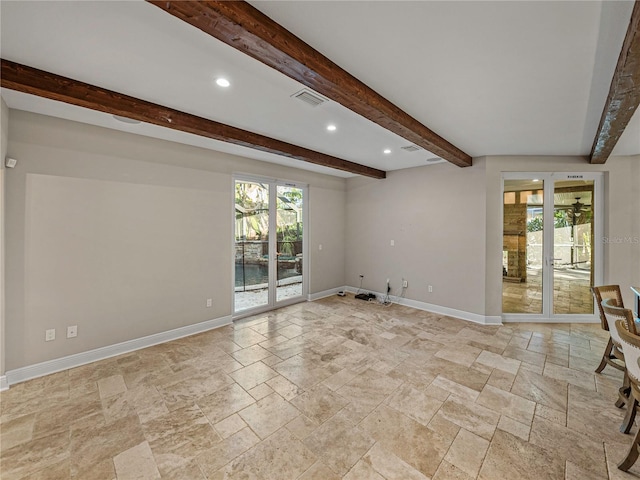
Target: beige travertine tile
column 53, row 472
column 574, row 472
column 494, row 360
column 455, row 388
column 501, row 379
column 526, row 356
column 27, row 458
column 603, row 421
column 250, row 355
column 361, row 471
column 16, row 431
column 346, row 360
column 246, row 337
column 389, row 427
column 284, row 387
column 568, row 444
column 541, row 389
column 230, row 425
column 471, row 416
column 339, row 444
column 268, row 415
column 111, row 386
column 190, row 471
column 462, row 354
column 337, row 380
column 514, row 427
column 136, row 463
column 414, row 403
column 178, row 437
column 506, row 403
column 225, row 402
column 302, row 426
column 447, row 471
column 574, row 377
column 615, row 455
column 549, row 413
column 253, row 375
column 510, row 457
column 390, row 465
column 94, row 442
column 319, row 403
column 269, row 460
column 467, row 452
column 260, row 391
column 319, row 471
column 366, row 392
column 216, row 457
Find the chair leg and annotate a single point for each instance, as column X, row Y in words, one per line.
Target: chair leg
column 624, row 391
column 627, row 423
column 605, row 356
column 632, row 455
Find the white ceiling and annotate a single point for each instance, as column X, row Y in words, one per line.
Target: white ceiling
column 493, row 78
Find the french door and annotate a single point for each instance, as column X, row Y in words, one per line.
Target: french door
column 551, row 255
column 270, row 244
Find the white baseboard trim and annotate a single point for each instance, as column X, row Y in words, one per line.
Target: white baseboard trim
column 556, row 319
column 4, row 385
column 325, row 293
column 52, row 366
column 450, row 312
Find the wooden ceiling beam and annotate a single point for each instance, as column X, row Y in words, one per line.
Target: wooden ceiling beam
column 242, row 26
column 624, row 93
column 49, row 85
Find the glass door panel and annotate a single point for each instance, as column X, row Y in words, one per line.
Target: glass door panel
column 522, row 246
column 573, row 266
column 251, row 245
column 289, row 252
column 550, row 258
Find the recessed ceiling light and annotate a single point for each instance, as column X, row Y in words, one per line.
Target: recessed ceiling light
column 223, row 82
column 387, row 151
column 126, row 120
column 331, row 128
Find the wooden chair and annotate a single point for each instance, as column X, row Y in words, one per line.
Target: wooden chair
column 614, row 315
column 631, row 347
column 611, row 352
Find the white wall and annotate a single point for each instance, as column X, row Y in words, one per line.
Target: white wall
column 436, row 217
column 127, row 236
column 4, row 137
column 622, row 217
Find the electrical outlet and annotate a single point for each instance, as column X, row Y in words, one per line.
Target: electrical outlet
column 209, row 302
column 72, row 331
column 430, row 289
column 405, row 284
column 393, row 243
column 320, row 247
column 50, row 335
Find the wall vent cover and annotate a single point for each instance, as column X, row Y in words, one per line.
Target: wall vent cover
column 309, row 97
column 411, row 148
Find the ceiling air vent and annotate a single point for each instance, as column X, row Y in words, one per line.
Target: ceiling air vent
column 309, row 97
column 411, row 148
column 433, row 160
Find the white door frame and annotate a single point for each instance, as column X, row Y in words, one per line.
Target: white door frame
column 549, row 179
column 272, row 303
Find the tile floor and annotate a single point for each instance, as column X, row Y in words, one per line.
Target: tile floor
column 332, row 389
column 571, row 293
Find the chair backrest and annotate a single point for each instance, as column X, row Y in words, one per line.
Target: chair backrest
column 631, row 348
column 615, row 314
column 606, row 292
